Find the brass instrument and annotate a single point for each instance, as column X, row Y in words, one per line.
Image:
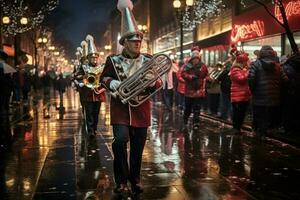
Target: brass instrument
column 91, row 78
column 133, row 89
column 217, row 71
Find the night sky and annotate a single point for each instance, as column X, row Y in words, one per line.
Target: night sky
column 72, row 20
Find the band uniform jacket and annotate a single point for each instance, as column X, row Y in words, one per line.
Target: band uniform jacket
column 119, row 67
column 87, row 94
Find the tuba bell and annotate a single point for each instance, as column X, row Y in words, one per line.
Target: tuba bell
column 135, row 89
column 91, row 78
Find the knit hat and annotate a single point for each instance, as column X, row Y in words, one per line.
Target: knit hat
column 195, row 52
column 267, row 51
column 242, row 58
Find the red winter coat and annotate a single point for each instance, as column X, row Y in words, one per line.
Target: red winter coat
column 240, row 91
column 124, row 114
column 194, row 87
column 181, row 81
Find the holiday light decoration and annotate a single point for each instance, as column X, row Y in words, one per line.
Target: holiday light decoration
column 21, row 17
column 247, row 31
column 200, row 11
column 291, row 8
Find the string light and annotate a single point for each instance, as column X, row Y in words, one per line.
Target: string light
column 17, row 9
column 201, row 10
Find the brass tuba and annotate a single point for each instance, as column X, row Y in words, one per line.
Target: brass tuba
column 135, row 89
column 91, row 78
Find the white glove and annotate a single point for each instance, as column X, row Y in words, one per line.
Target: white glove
column 81, row 84
column 114, row 84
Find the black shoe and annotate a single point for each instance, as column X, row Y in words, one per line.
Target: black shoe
column 121, row 189
column 136, row 189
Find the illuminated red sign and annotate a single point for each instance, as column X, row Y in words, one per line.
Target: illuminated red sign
column 292, row 8
column 247, row 31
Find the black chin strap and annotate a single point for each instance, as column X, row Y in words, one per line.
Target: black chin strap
column 126, row 54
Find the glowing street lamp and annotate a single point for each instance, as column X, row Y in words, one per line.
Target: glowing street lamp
column 51, row 48
column 43, row 40
column 107, row 47
column 5, row 20
column 176, row 4
column 24, row 20
column 189, row 2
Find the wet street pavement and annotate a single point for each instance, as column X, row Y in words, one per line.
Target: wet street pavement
column 50, row 158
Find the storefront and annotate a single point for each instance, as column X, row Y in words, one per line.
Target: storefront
column 215, row 49
column 213, row 38
column 170, row 44
column 255, row 28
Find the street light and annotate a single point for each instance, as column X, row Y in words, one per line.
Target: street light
column 144, row 29
column 5, row 20
column 42, row 40
column 24, row 20
column 107, row 47
column 51, row 48
column 179, row 8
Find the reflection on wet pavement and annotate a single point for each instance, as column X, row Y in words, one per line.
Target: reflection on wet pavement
column 52, row 159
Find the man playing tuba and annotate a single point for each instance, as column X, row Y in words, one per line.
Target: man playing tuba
column 92, row 97
column 129, row 123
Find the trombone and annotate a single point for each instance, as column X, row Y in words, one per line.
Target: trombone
column 215, row 73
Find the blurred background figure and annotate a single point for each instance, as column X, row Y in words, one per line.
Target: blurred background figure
column 291, row 95
column 61, row 87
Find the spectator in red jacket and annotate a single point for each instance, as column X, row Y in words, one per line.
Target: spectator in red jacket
column 194, row 73
column 240, row 92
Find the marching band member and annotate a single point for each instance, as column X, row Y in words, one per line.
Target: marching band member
column 91, row 99
column 77, row 78
column 129, row 123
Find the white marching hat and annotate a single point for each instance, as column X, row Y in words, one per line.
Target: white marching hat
column 84, row 46
column 129, row 28
column 91, row 50
column 78, row 53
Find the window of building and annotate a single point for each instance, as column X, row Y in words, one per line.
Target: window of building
column 171, row 41
column 288, row 48
column 274, row 41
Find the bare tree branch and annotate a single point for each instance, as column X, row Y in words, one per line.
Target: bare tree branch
column 269, row 12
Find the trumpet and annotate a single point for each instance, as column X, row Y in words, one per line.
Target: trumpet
column 91, row 79
column 215, row 73
column 135, row 89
